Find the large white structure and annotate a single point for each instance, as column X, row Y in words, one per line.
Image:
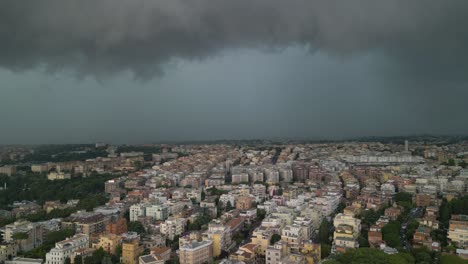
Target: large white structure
column 137, row 210
column 65, row 248
column 156, row 211
column 172, row 227
column 224, row 198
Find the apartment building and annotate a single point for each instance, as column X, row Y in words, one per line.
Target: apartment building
column 131, row 250
column 150, row 259
column 52, row 176
column 117, row 227
column 65, row 248
column 458, row 230
column 108, row 242
column 244, row 202
column 86, row 222
column 422, row 199
column 8, row 170
column 33, row 231
column 274, row 254
column 157, row 212
column 7, row 251
column 196, row 252
column 225, row 198
column 220, row 235
column 40, row 168
column 347, row 230
column 173, row 227
column 261, row 236
column 239, row 178
column 293, row 235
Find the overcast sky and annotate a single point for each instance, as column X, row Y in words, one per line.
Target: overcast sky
column 141, row 71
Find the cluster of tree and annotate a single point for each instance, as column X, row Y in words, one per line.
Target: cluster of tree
column 135, row 226
column 275, row 238
column 404, row 199
column 410, row 229
column 455, row 206
column 424, row 255
column 62, row 153
column 391, row 234
column 49, row 243
column 87, row 203
column 325, row 238
column 199, row 222
column 261, row 213
column 215, row 191
column 369, row 217
column 451, row 259
column 370, row 256
column 34, row 187
column 451, row 162
column 98, row 257
column 174, row 243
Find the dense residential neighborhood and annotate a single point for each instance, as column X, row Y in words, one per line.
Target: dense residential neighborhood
column 394, row 201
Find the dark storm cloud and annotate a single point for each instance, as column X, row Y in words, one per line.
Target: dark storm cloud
column 107, row 36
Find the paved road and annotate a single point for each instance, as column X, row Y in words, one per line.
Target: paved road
column 415, row 213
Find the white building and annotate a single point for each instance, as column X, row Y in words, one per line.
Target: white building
column 224, row 198
column 293, row 235
column 158, row 212
column 137, row 210
column 24, row 261
column 65, row 248
column 173, row 227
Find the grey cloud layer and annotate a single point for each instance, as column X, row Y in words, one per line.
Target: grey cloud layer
column 102, row 36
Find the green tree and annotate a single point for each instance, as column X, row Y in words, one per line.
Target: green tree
column 135, row 226
column 422, row 255
column 411, row 228
column 229, row 206
column 261, row 213
column 369, row 217
column 324, row 232
column 88, row 260
column 20, row 236
column 78, row 259
column 56, row 236
column 451, row 162
column 67, row 260
column 372, row 256
column 404, row 197
column 452, row 259
column 363, row 240
column 275, row 238
column 390, row 234
column 325, row 250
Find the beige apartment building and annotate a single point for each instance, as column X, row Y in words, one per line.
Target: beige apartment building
column 7, row 251
column 244, row 202
column 220, row 235
column 458, row 230
column 196, row 252
column 108, row 243
column 131, row 250
column 8, row 170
